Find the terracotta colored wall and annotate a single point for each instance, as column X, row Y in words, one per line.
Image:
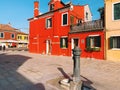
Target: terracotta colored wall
column 7, row 36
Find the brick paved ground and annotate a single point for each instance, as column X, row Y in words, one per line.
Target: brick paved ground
column 20, row 70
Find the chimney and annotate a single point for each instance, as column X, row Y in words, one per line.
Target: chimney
column 36, row 8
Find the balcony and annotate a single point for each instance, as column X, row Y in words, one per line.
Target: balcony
column 87, row 26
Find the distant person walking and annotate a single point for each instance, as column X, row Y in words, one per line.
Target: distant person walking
column 3, row 48
column 0, row 48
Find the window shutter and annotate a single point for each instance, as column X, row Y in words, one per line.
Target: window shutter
column 66, row 42
column 61, row 43
column 46, row 23
column 98, row 41
column 71, row 20
column 50, row 22
column 116, row 11
column 88, row 42
column 111, row 42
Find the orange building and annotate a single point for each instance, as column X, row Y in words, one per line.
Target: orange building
column 49, row 32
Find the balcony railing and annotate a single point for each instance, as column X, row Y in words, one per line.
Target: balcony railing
column 87, row 26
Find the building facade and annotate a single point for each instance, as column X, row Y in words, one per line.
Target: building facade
column 49, row 31
column 22, row 40
column 11, row 37
column 112, row 37
column 89, row 36
column 8, row 35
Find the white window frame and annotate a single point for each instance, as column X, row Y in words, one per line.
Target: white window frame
column 113, row 11
column 47, row 23
column 62, row 19
column 13, row 37
column 3, row 35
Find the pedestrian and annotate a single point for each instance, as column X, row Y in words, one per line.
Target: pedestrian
column 4, row 48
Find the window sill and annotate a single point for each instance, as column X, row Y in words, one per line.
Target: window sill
column 65, row 25
column 115, row 49
column 116, row 20
column 95, row 49
column 64, row 48
column 48, row 27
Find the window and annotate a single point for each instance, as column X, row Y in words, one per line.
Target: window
column 1, row 35
column 48, row 22
column 12, row 35
column 25, row 38
column 116, row 8
column 20, row 37
column 51, row 7
column 64, row 42
column 86, row 15
column 64, row 19
column 115, row 42
column 93, row 43
column 71, row 20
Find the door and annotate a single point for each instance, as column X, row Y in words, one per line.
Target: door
column 48, row 47
column 75, row 42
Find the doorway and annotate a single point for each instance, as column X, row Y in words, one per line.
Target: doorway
column 48, row 47
column 75, row 42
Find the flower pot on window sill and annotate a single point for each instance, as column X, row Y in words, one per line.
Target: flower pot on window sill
column 96, row 49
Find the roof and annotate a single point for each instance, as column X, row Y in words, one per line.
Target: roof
column 7, row 27
column 66, row 6
column 60, row 2
column 19, row 32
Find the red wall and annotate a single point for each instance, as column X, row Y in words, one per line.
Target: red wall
column 82, row 44
column 39, row 34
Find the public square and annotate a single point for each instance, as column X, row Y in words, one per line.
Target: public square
column 21, row 70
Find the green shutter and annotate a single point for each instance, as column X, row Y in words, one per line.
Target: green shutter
column 88, row 42
column 51, row 22
column 71, row 20
column 111, row 42
column 46, row 23
column 61, row 43
column 116, row 11
column 98, row 41
column 66, row 42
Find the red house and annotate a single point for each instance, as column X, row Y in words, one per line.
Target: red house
column 56, row 33
column 89, row 36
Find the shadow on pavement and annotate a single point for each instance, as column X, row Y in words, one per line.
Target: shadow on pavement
column 10, row 79
column 86, row 82
column 64, row 74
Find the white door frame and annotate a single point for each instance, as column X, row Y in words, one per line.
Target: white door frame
column 72, row 44
column 47, row 46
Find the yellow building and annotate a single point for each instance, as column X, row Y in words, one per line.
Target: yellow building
column 22, row 39
column 112, row 26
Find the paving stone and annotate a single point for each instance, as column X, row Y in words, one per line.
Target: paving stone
column 4, row 82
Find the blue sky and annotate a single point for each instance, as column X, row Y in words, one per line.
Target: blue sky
column 18, row 11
